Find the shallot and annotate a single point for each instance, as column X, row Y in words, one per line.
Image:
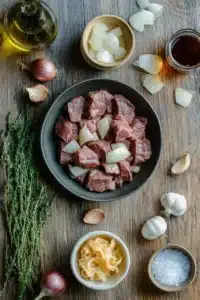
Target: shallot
column 54, row 284
column 37, row 93
column 42, row 69
column 183, row 97
column 153, row 83
column 117, row 155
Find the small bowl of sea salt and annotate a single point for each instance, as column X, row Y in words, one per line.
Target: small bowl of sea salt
column 172, row 268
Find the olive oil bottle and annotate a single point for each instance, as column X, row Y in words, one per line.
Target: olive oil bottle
column 28, row 25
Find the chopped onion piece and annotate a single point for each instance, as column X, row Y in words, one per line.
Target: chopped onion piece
column 141, row 18
column 77, row 171
column 85, row 136
column 151, row 63
column 136, row 63
column 96, row 43
column 92, row 53
column 104, row 125
column 118, row 145
column 156, row 9
column 183, row 97
column 105, row 57
column 142, row 3
column 153, row 84
column 117, row 155
column 100, row 29
column 111, row 43
column 121, row 52
column 95, row 136
column 71, row 147
column 117, row 32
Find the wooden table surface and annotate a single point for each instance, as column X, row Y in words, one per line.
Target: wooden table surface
column 181, row 132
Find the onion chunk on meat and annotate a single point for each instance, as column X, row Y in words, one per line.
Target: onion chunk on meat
column 118, row 145
column 85, row 136
column 103, row 126
column 117, row 155
column 77, row 171
column 71, row 147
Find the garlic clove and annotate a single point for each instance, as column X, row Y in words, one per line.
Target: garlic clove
column 174, row 204
column 37, row 93
column 154, row 228
column 94, row 216
column 181, row 165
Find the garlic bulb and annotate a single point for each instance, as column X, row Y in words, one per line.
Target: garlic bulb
column 154, row 228
column 174, row 204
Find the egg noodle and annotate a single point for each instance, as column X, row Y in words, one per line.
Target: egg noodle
column 99, row 258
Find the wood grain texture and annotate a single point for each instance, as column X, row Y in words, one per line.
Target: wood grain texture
column 181, row 132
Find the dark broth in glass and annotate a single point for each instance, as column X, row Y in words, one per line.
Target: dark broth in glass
column 186, row 50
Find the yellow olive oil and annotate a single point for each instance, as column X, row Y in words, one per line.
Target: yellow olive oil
column 29, row 25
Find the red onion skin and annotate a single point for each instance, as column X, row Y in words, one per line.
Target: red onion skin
column 43, row 69
column 54, row 282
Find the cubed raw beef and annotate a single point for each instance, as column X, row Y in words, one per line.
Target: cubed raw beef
column 125, row 171
column 86, row 158
column 100, row 147
column 64, row 158
column 119, row 181
column 66, row 130
column 139, row 128
column 121, row 130
column 91, row 124
column 82, row 179
column 123, row 109
column 111, row 169
column 75, row 108
column 99, row 182
column 95, row 105
column 141, row 150
column 108, row 101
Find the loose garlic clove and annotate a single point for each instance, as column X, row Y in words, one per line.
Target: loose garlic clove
column 174, row 204
column 37, row 93
column 94, row 216
column 154, row 228
column 181, row 165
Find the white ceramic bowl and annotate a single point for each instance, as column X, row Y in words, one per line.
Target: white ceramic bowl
column 112, row 281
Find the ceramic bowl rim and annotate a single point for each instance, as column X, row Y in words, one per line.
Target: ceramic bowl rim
column 91, row 284
column 51, row 169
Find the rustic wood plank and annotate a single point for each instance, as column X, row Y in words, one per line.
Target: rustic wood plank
column 180, row 127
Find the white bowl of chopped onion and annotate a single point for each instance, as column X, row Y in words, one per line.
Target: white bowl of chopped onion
column 100, row 260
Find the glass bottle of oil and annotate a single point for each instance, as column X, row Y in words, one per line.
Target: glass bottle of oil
column 28, row 25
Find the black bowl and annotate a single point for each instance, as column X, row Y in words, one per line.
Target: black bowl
column 48, row 140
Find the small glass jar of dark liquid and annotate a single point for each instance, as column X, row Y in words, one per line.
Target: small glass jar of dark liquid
column 183, row 50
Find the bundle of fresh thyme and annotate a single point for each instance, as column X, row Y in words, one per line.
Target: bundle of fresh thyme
column 26, row 204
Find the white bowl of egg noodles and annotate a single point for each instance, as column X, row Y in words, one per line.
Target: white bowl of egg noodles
column 100, row 260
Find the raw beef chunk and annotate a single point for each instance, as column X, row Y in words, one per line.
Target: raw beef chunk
column 66, row 130
column 86, row 158
column 139, row 128
column 100, row 147
column 111, row 169
column 108, row 101
column 125, row 171
column 121, row 130
column 141, row 150
column 75, row 108
column 123, row 109
column 119, row 181
column 98, row 181
column 95, row 105
column 91, row 124
column 82, row 179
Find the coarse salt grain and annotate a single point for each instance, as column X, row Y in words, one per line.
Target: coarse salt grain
column 171, row 267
